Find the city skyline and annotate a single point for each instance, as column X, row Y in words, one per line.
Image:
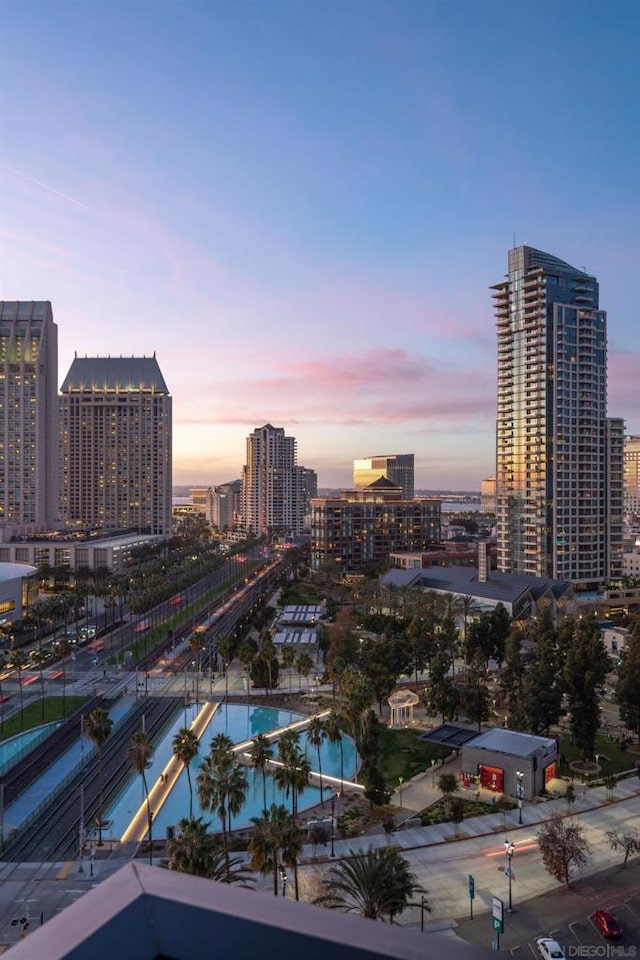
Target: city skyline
column 301, row 211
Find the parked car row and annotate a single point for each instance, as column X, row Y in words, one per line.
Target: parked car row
column 603, row 921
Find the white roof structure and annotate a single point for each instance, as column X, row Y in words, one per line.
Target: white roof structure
column 296, row 637
column 302, row 613
column 510, row 741
column 11, row 571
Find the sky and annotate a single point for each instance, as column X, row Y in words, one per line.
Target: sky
column 300, row 206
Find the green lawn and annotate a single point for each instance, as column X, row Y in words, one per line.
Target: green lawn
column 33, row 714
column 618, row 760
column 402, row 754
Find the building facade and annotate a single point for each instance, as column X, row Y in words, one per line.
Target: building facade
column 271, row 483
column 28, row 418
column 488, row 495
column 358, row 531
column 554, row 448
column 224, row 505
column 396, row 467
column 116, row 445
column 632, row 475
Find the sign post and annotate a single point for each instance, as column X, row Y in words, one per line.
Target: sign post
column 497, row 919
column 472, row 893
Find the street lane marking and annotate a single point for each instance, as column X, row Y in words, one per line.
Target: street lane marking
column 64, row 872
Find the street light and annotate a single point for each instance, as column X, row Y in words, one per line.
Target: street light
column 509, row 848
column 519, row 792
column 401, row 779
column 283, row 878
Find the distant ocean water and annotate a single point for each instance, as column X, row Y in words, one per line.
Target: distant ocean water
column 456, row 507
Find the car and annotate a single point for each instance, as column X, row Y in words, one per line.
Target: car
column 549, row 949
column 606, row 924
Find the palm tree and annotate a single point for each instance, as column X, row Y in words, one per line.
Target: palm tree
column 292, row 777
column 3, row 667
column 196, row 851
column 185, row 749
column 271, row 836
column 63, row 648
column 288, row 659
column 138, row 756
column 18, row 661
column 316, row 734
column 261, row 753
column 39, row 659
column 222, row 786
column 333, row 733
column 376, row 884
column 98, row 726
column 304, row 666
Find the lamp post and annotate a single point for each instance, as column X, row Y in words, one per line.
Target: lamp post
column 509, row 849
column 283, row 878
column 519, row 792
column 401, row 779
column 333, row 820
column 423, row 903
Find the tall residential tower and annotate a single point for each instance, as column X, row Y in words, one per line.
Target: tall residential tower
column 116, row 445
column 558, row 513
column 271, row 483
column 28, row 417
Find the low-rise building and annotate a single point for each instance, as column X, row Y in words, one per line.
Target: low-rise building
column 76, row 552
column 505, row 761
column 18, row 590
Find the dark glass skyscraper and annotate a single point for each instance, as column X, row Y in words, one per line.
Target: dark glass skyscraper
column 557, row 511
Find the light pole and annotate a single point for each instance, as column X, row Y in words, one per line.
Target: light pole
column 509, row 849
column 423, row 903
column 433, row 772
column 519, row 792
column 333, row 820
column 401, row 779
column 283, row 878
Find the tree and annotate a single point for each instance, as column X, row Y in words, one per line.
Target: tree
column 358, row 694
column 63, row 648
column 138, row 756
column 18, row 661
column 512, row 676
column 447, row 785
column 39, row 659
column 444, row 698
column 265, row 667
column 543, row 684
column 377, row 884
column 475, row 703
column 316, row 735
column 563, row 847
column 457, row 812
column 185, row 749
column 293, row 777
column 261, row 753
column 586, row 667
column 222, row 786
column 304, row 666
column 98, row 726
column 333, row 732
column 343, row 639
column 628, row 686
column 195, row 851
column 272, row 838
column 288, row 659
column 627, row 842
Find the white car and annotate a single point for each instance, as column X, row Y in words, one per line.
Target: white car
column 549, row 949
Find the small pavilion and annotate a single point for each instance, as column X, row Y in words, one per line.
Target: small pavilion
column 402, row 703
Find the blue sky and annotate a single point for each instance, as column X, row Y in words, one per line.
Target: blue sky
column 300, row 206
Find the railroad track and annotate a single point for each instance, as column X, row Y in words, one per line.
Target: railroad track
column 55, row 834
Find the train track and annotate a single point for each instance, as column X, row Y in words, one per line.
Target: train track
column 23, row 774
column 55, row 834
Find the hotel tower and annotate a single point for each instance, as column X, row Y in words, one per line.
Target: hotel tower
column 559, row 460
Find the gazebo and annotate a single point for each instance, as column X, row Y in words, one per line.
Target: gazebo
column 402, row 703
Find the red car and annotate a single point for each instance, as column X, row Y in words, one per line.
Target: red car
column 606, row 924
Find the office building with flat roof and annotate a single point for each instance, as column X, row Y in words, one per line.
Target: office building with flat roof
column 28, row 417
column 396, row 467
column 632, row 475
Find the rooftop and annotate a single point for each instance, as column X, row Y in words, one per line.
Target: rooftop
column 510, row 741
column 126, row 374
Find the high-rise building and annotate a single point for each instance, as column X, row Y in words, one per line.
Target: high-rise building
column 488, row 495
column 555, row 450
column 224, row 505
column 116, row 445
column 632, row 475
column 396, row 467
column 28, row 417
column 357, row 532
column 270, row 483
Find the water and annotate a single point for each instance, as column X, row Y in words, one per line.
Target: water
column 239, row 723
